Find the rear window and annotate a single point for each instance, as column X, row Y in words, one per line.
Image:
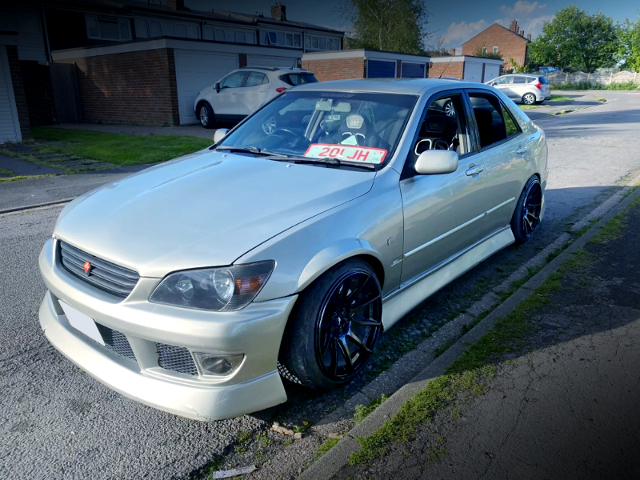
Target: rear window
column 543, row 80
column 298, row 78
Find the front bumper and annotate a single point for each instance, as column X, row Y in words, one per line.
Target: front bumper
column 256, row 332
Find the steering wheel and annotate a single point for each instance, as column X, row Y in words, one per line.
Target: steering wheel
column 291, row 137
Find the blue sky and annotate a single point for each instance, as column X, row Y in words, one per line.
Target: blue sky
column 455, row 20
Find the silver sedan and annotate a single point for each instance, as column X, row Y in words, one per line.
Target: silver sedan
column 286, row 248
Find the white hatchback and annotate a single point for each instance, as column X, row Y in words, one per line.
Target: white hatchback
column 243, row 91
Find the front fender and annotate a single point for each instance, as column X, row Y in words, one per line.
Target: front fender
column 334, row 254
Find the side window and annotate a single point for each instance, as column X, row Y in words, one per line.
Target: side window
column 256, row 78
column 487, row 110
column 510, row 124
column 234, row 80
column 519, row 80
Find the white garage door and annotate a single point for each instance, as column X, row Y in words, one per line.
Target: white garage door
column 270, row 61
column 195, row 71
column 473, row 72
column 9, row 126
column 491, row 72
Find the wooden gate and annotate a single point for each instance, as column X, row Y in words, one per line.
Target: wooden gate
column 66, row 92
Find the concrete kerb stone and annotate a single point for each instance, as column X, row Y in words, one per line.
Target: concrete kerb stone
column 64, row 201
column 324, row 470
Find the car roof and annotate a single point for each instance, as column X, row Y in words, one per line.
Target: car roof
column 415, row 86
column 276, row 69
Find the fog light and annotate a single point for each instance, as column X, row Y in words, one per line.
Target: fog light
column 218, row 365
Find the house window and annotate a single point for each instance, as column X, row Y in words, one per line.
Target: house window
column 291, row 40
column 322, row 43
column 495, row 49
column 108, row 28
column 155, row 29
column 484, row 50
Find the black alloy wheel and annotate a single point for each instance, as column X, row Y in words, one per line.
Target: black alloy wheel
column 349, row 324
column 334, row 327
column 526, row 217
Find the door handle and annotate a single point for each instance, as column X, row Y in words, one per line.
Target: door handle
column 521, row 150
column 475, row 170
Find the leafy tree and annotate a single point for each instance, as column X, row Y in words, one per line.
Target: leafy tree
column 576, row 40
column 629, row 49
column 393, row 25
column 484, row 52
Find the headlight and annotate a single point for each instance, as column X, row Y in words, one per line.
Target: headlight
column 220, row 289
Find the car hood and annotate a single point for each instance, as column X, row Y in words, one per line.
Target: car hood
column 203, row 210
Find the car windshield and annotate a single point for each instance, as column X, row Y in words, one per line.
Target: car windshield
column 351, row 127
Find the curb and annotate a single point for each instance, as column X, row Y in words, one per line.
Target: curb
column 332, row 461
column 37, row 205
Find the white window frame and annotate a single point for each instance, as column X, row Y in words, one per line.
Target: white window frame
column 120, row 21
column 495, row 49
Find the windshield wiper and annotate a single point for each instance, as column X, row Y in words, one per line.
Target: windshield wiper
column 250, row 149
column 328, row 161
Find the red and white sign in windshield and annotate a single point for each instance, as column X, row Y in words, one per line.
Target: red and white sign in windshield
column 352, row 153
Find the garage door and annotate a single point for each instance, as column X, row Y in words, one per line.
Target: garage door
column 381, row 69
column 195, row 71
column 412, row 70
column 473, row 72
column 491, row 72
column 270, row 61
column 9, row 126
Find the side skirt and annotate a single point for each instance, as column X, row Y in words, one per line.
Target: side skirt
column 398, row 303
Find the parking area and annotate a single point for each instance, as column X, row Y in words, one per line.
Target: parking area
column 57, row 422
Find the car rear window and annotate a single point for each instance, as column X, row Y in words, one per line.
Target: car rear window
column 298, row 78
column 543, row 80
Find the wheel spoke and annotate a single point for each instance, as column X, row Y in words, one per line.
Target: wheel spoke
column 366, row 302
column 355, row 339
column 333, row 351
column 344, row 349
column 369, row 322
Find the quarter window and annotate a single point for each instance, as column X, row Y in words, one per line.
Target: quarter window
column 510, row 124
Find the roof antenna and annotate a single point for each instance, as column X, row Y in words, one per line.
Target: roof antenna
column 445, row 69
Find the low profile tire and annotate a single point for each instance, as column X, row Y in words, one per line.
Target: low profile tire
column 526, row 217
column 206, row 115
column 334, row 326
column 528, row 99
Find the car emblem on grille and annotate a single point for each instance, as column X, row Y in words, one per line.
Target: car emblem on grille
column 87, row 267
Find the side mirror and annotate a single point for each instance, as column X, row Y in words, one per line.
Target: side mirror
column 217, row 87
column 220, row 134
column 433, row 162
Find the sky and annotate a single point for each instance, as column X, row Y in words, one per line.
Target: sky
column 455, row 20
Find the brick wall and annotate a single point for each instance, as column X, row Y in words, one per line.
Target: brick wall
column 510, row 44
column 38, row 91
column 446, row 69
column 336, row 69
column 18, row 92
column 129, row 88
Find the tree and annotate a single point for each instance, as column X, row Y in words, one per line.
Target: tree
column 393, row 25
column 576, row 40
column 629, row 49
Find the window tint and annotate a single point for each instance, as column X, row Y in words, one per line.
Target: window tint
column 233, row 80
column 519, row 80
column 509, row 122
column 298, row 78
column 488, row 113
column 256, row 78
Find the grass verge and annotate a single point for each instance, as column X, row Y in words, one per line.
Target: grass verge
column 117, row 148
column 325, row 446
column 590, row 86
column 560, row 98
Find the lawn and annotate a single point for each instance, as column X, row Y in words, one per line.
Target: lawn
column 118, row 148
column 560, row 98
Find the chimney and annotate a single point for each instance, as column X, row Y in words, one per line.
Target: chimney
column 529, row 37
column 176, row 4
column 279, row 12
column 514, row 26
column 452, row 51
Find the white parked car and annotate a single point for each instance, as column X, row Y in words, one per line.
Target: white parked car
column 243, row 91
column 525, row 88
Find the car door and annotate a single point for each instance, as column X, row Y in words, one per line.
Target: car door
column 505, row 152
column 504, row 85
column 253, row 94
column 225, row 102
column 442, row 212
column 519, row 87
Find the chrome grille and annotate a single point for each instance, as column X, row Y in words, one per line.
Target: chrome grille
column 116, row 342
column 178, row 359
column 106, row 276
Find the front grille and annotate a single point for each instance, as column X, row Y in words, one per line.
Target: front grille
column 116, row 341
column 178, row 359
column 106, row 276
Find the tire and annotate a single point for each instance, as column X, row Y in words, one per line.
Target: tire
column 323, row 331
column 205, row 115
column 526, row 217
column 528, row 99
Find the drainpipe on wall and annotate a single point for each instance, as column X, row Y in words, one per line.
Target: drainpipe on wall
column 46, row 37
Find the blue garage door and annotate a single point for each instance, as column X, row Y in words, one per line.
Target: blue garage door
column 412, row 70
column 380, row 69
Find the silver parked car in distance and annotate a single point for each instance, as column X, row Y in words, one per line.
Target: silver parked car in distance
column 196, row 285
column 524, row 88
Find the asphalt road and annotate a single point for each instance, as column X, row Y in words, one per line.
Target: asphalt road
column 56, row 422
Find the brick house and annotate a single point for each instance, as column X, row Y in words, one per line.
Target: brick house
column 125, row 61
column 510, row 42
